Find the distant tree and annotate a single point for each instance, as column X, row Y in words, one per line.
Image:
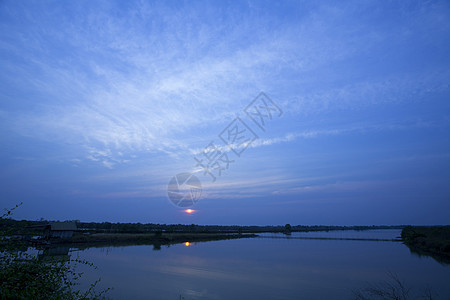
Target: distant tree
column 287, row 228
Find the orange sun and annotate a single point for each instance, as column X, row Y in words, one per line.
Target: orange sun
column 187, row 244
column 189, row 211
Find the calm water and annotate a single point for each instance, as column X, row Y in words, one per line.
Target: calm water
column 263, row 268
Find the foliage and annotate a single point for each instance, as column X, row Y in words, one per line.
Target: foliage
column 288, row 228
column 25, row 276
column 433, row 241
column 394, row 289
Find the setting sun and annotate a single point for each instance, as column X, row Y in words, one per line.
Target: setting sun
column 187, row 244
column 189, row 211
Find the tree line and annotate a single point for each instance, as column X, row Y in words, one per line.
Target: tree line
column 22, row 227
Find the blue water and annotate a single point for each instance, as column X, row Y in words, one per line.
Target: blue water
column 388, row 234
column 264, row 268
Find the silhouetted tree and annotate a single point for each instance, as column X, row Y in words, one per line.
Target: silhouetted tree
column 287, row 228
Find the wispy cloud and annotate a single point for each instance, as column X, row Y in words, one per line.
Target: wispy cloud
column 316, row 133
column 124, row 94
column 136, row 92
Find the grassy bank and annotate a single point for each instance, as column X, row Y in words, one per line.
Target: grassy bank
column 432, row 241
column 147, row 238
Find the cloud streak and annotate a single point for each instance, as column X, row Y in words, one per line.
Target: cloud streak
column 142, row 96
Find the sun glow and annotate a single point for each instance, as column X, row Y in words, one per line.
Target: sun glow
column 189, row 211
column 187, row 244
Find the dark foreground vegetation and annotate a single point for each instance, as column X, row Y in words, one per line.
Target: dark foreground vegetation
column 433, row 241
column 393, row 288
column 27, row 276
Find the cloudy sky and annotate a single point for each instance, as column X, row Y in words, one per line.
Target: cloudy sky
column 102, row 103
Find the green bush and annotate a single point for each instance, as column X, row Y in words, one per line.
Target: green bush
column 24, row 276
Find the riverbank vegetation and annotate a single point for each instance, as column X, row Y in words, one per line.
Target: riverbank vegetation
column 433, row 241
column 27, row 276
column 393, row 288
column 28, row 227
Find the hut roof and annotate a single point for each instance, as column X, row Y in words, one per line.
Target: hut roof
column 63, row 226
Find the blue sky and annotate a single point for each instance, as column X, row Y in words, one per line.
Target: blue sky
column 102, row 103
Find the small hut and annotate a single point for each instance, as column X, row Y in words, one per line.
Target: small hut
column 62, row 230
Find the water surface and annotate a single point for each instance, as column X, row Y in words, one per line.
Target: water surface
column 263, row 268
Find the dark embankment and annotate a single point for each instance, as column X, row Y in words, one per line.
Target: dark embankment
column 431, row 241
column 149, row 239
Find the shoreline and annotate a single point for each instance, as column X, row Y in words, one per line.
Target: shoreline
column 111, row 239
column 428, row 241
